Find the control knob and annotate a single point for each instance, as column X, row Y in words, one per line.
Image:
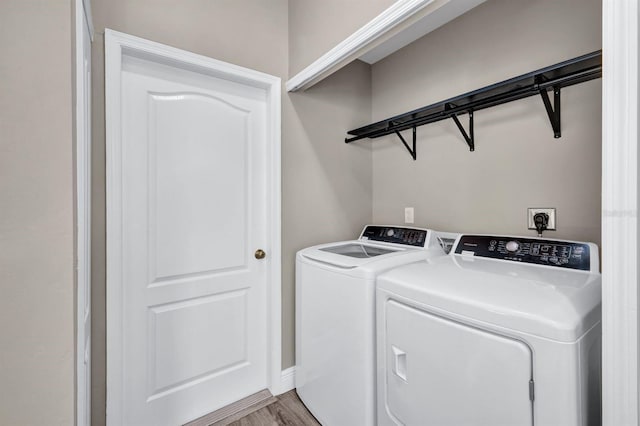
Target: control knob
column 512, row 246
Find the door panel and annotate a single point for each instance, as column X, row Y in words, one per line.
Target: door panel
column 445, row 373
column 191, row 328
column 193, row 165
column 190, row 180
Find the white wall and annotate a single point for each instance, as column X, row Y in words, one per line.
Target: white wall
column 36, row 213
column 517, row 162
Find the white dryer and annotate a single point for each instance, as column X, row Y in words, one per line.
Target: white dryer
column 335, row 318
column 503, row 331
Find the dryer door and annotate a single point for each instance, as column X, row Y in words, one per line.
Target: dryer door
column 441, row 372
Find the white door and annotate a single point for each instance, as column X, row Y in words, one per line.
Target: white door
column 194, row 211
column 440, row 372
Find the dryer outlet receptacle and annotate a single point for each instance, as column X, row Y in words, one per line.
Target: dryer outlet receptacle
column 551, row 212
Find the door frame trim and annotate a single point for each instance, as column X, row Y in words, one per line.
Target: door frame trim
column 82, row 188
column 620, row 238
column 118, row 45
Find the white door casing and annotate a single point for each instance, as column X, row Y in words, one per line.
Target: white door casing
column 193, row 319
column 620, row 231
column 83, row 38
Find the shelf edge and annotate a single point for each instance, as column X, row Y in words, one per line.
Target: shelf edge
column 390, row 22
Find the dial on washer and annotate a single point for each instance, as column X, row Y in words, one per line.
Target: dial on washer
column 512, row 246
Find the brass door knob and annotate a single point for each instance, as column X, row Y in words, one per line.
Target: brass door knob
column 260, row 254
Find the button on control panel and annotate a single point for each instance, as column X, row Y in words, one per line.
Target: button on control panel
column 387, row 234
column 512, row 246
column 541, row 252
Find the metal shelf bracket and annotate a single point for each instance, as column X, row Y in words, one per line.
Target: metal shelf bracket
column 467, row 137
column 406, row 145
column 553, row 112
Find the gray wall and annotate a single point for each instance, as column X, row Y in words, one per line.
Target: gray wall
column 517, row 162
column 318, row 26
column 326, row 186
column 36, row 218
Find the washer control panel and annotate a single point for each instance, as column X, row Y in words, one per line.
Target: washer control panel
column 397, row 235
column 562, row 254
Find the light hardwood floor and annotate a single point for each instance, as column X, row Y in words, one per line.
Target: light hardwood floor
column 262, row 409
column 287, row 410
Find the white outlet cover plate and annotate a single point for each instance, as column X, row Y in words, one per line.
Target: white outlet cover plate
column 532, row 211
column 408, row 215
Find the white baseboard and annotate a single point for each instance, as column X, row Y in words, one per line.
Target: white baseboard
column 287, row 380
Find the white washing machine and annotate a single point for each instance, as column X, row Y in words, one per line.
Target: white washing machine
column 335, row 318
column 503, row 331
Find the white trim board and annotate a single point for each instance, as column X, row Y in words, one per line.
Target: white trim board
column 620, row 213
column 402, row 23
column 82, row 175
column 287, row 380
column 118, row 45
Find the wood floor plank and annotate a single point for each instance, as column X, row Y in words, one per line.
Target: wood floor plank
column 288, row 410
column 292, row 402
column 273, row 414
column 262, row 417
column 236, row 410
column 244, row 413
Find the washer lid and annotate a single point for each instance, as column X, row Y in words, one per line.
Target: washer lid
column 358, row 250
column 354, row 254
column 554, row 303
column 379, row 248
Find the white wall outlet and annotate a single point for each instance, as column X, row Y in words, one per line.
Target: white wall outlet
column 532, row 211
column 408, row 215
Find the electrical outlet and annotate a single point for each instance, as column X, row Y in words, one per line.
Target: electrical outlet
column 408, row 215
column 532, row 211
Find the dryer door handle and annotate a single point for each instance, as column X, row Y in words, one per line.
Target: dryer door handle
column 400, row 363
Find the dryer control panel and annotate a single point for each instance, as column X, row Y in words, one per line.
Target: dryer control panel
column 398, row 235
column 562, row 254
